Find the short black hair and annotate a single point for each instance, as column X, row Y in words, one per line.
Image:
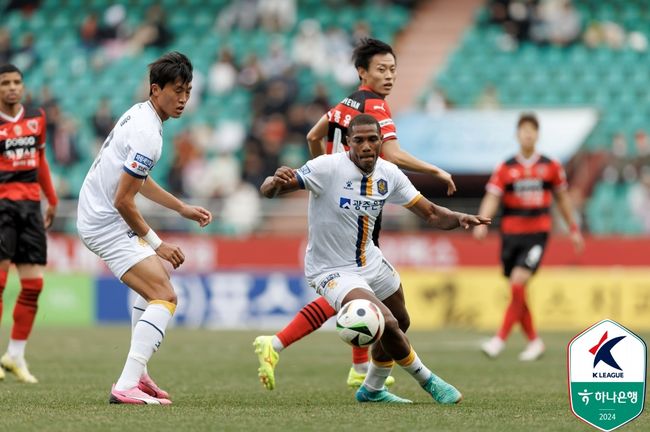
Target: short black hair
column 368, row 48
column 169, row 68
column 8, row 67
column 528, row 118
column 363, row 119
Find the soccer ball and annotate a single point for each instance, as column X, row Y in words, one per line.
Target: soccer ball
column 360, row 323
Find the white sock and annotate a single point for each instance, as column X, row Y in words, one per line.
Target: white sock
column 16, row 350
column 277, row 343
column 147, row 336
column 139, row 306
column 360, row 368
column 414, row 366
column 376, row 376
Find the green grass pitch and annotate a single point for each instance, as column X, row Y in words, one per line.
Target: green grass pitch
column 212, row 376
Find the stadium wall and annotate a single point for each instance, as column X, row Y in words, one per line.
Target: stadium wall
column 449, row 280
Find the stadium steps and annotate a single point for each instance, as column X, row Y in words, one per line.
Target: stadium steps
column 425, row 44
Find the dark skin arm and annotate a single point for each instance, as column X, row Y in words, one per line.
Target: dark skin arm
column 283, row 181
column 445, row 219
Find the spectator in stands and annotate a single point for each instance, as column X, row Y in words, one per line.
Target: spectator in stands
column 185, row 152
column 89, row 32
column 153, row 32
column 250, row 74
column 639, row 200
column 241, row 14
column 559, row 23
column 103, row 120
column 6, row 51
column 642, row 143
column 309, row 47
column 222, row 76
column 65, row 141
column 277, row 62
column 25, row 57
column 277, row 15
column 436, row 102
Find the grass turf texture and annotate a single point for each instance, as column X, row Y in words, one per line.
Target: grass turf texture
column 212, row 377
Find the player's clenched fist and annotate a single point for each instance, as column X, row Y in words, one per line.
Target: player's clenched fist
column 196, row 213
column 171, row 253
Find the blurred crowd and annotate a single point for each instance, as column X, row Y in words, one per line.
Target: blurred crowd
column 559, row 23
column 223, row 158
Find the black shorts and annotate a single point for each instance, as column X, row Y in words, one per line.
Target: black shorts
column 22, row 233
column 522, row 250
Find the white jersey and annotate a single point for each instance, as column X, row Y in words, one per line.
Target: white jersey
column 343, row 205
column 133, row 146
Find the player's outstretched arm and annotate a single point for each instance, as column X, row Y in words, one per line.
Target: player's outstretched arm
column 443, row 218
column 488, row 208
column 45, row 181
column 283, row 181
column 316, row 136
column 566, row 208
column 127, row 188
column 392, row 152
column 153, row 191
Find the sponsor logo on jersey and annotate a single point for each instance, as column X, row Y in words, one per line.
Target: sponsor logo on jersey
column 348, row 185
column 131, row 234
column 32, row 124
column 18, row 130
column 379, row 107
column 125, row 121
column 382, row 186
column 304, row 170
column 329, row 282
column 385, row 122
column 143, row 160
column 344, row 203
column 351, row 103
column 4, row 132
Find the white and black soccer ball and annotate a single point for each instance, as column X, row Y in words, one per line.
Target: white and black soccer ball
column 360, row 323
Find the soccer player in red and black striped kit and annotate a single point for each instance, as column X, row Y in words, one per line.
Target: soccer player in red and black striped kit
column 525, row 184
column 24, row 172
column 377, row 68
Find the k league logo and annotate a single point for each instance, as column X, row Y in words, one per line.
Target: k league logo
column 607, row 375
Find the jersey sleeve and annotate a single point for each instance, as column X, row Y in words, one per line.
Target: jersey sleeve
column 403, row 192
column 559, row 180
column 315, row 175
column 379, row 109
column 143, row 152
column 42, row 136
column 496, row 184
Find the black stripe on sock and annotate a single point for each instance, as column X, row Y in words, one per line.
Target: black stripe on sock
column 317, row 306
column 318, row 313
column 159, row 331
column 308, row 316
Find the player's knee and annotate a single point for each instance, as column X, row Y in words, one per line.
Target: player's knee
column 404, row 321
column 391, row 324
column 163, row 290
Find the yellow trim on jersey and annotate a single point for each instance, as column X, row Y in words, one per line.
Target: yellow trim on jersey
column 171, row 307
column 362, row 240
column 369, row 186
column 413, row 201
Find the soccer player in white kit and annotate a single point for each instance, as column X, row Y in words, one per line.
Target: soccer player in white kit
column 110, row 224
column 348, row 191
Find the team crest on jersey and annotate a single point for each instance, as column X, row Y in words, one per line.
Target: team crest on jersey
column 382, row 186
column 344, row 203
column 18, row 130
column 32, row 124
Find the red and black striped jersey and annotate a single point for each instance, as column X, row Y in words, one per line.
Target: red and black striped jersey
column 365, row 101
column 526, row 189
column 22, row 138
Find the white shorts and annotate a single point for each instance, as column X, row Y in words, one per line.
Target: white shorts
column 335, row 285
column 118, row 246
